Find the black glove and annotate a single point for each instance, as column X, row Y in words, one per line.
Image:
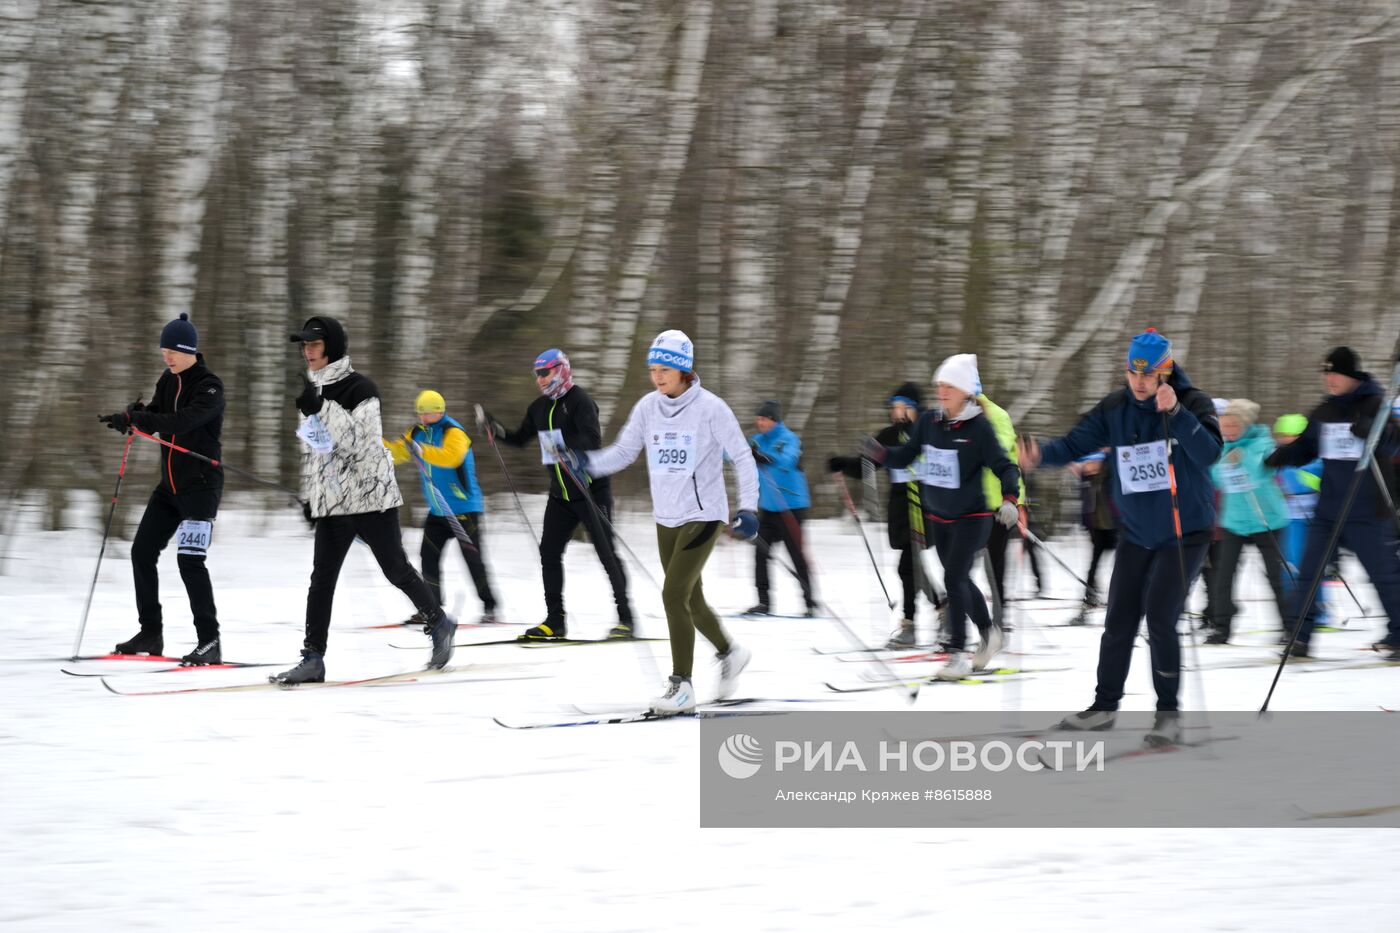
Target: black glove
column 759, row 455
column 836, row 464
column 119, row 422
column 306, row 514
column 137, row 405
column 309, row 401
column 487, row 422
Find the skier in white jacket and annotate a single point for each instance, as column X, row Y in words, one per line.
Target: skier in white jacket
column 687, row 432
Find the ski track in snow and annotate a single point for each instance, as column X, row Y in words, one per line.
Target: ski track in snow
column 375, row 809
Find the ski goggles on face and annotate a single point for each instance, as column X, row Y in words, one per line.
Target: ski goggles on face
column 547, row 370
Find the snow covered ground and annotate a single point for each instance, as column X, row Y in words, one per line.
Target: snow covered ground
column 405, row 806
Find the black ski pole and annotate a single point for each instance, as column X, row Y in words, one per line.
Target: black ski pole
column 485, row 424
column 458, row 531
column 106, row 531
column 860, row 529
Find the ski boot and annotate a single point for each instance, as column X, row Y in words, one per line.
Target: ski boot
column 992, row 641
column 678, row 698
column 147, row 641
column 207, row 653
column 442, row 628
column 1090, row 720
column 958, row 666
column 1166, row 730
column 311, row 670
column 731, row 665
column 903, row 637
column 553, row 628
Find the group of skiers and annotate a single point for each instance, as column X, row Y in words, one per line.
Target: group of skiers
column 1162, row 469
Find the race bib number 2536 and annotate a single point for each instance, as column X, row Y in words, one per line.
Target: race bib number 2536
column 1143, row 468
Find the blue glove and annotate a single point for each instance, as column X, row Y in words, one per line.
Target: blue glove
column 575, row 460
column 745, row 527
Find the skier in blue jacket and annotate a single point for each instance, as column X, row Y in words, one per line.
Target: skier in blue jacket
column 783, row 501
column 448, row 477
column 1159, row 406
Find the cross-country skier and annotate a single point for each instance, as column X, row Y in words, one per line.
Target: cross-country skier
column 348, row 482
column 1159, row 406
column 1252, row 511
column 566, row 416
column 905, row 512
column 187, row 409
column 1337, row 431
column 687, row 432
column 448, row 476
column 953, row 445
column 1300, row 485
column 783, row 501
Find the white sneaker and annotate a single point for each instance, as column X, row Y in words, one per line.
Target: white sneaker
column 730, row 666
column 678, row 698
column 992, row 641
column 958, row 666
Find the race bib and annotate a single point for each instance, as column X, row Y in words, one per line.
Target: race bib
column 1338, row 443
column 1302, row 507
column 901, row 476
column 192, row 537
column 1235, row 478
column 940, row 468
column 672, row 452
column 550, row 443
column 1143, row 468
column 317, row 437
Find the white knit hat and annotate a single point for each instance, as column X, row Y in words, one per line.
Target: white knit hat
column 672, row 348
column 960, row 372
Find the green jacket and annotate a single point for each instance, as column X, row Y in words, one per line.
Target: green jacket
column 1006, row 436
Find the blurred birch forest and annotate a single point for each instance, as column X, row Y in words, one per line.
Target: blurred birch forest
column 830, row 196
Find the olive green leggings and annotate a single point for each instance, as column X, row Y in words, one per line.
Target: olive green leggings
column 684, row 551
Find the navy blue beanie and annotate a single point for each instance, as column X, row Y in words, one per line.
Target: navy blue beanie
column 180, row 335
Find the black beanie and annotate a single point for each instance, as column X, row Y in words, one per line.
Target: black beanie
column 180, row 335
column 327, row 329
column 1344, row 362
column 910, row 391
column 771, row 409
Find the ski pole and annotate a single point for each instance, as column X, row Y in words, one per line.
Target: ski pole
column 106, row 531
column 1181, row 565
column 458, row 531
column 485, row 424
column 219, row 463
column 1031, row 536
column 860, row 529
column 1362, row 465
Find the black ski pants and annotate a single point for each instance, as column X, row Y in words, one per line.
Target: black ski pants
column 1146, row 582
column 437, row 531
column 560, row 521
column 164, row 513
column 334, row 537
column 958, row 544
column 1231, row 548
column 786, row 527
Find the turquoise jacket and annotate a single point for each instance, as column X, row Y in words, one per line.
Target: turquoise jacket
column 1251, row 501
column 782, row 485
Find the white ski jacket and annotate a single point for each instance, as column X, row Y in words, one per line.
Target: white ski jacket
column 686, row 440
column 345, row 467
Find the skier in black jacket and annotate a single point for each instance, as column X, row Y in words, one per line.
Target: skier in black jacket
column 566, row 417
column 904, row 501
column 1337, row 431
column 952, row 446
column 188, row 410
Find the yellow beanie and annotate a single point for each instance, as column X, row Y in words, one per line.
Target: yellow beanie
column 429, row 402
